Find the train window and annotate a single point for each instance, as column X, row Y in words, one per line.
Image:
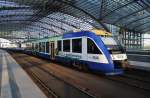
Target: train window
column 92, row 48
column 40, row 47
column 77, row 45
column 59, row 45
column 47, row 47
column 36, row 47
column 29, row 46
column 66, row 45
column 43, row 47
column 32, row 46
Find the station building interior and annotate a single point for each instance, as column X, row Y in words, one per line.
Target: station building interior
column 127, row 20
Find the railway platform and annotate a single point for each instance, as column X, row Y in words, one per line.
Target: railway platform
column 14, row 81
column 140, row 65
column 139, row 59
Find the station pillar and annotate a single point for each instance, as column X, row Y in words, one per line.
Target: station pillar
column 131, row 40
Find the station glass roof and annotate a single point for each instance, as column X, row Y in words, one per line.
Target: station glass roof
column 35, row 18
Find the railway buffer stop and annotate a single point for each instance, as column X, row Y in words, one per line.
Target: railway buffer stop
column 74, row 48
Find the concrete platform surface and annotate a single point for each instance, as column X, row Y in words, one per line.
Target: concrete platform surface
column 14, row 81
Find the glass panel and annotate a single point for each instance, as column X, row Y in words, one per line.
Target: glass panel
column 59, row 45
column 43, row 46
column 77, row 45
column 66, row 45
column 92, row 48
column 47, row 47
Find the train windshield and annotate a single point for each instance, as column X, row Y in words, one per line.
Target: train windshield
column 109, row 41
column 113, row 45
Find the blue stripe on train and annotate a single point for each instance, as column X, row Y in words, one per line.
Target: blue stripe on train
column 105, row 68
column 101, row 67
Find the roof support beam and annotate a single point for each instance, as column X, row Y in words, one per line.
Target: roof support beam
column 14, row 37
column 130, row 15
column 50, row 24
column 13, row 8
column 141, row 25
column 119, row 8
column 102, row 24
column 26, row 24
column 38, row 28
column 51, row 18
column 146, row 30
column 128, row 24
column 49, row 29
column 143, row 28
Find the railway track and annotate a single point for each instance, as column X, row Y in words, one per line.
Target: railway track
column 34, row 74
column 51, row 74
column 44, row 86
column 37, row 73
column 133, row 80
column 94, row 88
column 128, row 79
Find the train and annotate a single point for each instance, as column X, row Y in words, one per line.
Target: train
column 94, row 50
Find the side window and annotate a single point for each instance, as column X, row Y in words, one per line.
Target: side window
column 59, row 47
column 28, row 46
column 36, row 47
column 92, row 48
column 77, row 45
column 66, row 45
column 47, row 47
column 40, row 47
column 32, row 46
column 43, row 46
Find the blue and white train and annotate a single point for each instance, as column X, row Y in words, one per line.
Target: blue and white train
column 85, row 50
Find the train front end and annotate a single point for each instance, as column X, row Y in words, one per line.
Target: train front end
column 117, row 52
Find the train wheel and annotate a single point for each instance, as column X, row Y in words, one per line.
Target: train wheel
column 80, row 66
column 83, row 67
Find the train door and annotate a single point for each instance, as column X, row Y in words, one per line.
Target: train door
column 52, row 50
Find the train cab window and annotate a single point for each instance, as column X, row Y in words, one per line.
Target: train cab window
column 92, row 48
column 66, row 45
column 77, row 45
column 47, row 47
column 59, row 47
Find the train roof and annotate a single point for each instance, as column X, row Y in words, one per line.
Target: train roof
column 101, row 32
